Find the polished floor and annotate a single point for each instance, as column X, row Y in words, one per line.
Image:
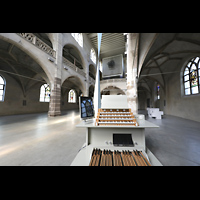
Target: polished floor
column 176, row 142
column 37, row 140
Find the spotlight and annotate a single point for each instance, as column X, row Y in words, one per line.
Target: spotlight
column 50, row 59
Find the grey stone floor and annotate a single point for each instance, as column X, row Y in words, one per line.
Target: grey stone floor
column 37, row 140
column 176, row 142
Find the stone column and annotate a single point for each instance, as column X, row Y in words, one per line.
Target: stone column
column 87, row 80
column 55, row 101
column 132, row 62
column 54, row 104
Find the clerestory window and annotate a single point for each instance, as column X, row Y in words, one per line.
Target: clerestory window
column 78, row 37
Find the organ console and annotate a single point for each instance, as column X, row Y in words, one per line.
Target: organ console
column 116, row 137
column 118, row 117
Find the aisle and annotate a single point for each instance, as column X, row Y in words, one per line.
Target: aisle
column 36, row 139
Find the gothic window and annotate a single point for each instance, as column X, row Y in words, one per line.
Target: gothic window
column 45, row 93
column 72, row 96
column 93, row 56
column 2, row 88
column 191, row 77
column 158, row 91
column 78, row 37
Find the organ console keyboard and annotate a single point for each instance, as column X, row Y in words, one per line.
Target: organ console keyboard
column 118, row 117
column 118, row 158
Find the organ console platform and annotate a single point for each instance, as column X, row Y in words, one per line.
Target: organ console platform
column 116, row 137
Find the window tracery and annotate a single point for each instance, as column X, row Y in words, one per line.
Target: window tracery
column 71, row 96
column 191, row 77
column 45, row 93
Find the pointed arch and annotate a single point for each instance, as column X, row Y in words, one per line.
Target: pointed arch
column 23, row 45
column 74, row 54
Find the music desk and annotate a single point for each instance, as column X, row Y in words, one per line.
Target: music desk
column 102, row 137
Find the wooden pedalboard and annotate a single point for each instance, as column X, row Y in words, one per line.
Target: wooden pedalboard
column 116, row 117
column 117, row 158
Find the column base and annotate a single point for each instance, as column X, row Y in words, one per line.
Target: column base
column 54, row 113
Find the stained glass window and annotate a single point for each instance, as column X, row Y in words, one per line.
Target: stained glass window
column 93, row 55
column 45, row 93
column 78, row 37
column 2, row 88
column 72, row 96
column 87, row 109
column 191, row 76
column 158, row 91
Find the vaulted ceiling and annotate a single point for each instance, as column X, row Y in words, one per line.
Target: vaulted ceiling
column 19, row 65
column 165, row 56
column 162, row 57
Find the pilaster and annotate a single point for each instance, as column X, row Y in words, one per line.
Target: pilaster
column 54, row 105
column 55, row 101
column 132, row 62
column 87, row 80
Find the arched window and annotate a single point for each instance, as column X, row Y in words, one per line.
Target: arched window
column 45, row 93
column 2, row 88
column 72, row 96
column 93, row 56
column 191, row 77
column 78, row 37
column 158, row 91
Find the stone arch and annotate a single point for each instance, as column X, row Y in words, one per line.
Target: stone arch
column 73, row 82
column 25, row 47
column 112, row 89
column 78, row 52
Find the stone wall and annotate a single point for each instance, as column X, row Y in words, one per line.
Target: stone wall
column 15, row 102
column 179, row 105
